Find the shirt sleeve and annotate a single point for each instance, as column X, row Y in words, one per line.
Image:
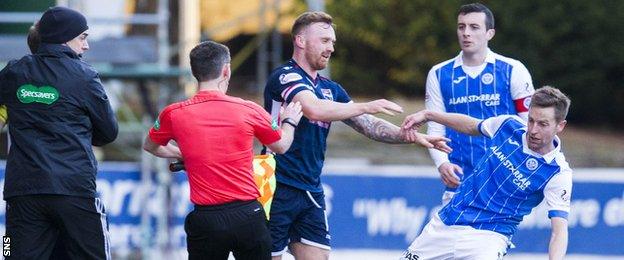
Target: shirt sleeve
column 521, row 89
column 490, row 126
column 105, row 127
column 341, row 95
column 435, row 102
column 557, row 194
column 265, row 129
column 288, row 84
column 162, row 131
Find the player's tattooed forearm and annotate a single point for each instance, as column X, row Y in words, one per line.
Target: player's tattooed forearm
column 375, row 128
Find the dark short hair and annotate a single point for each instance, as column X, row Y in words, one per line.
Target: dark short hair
column 308, row 18
column 33, row 40
column 478, row 8
column 548, row 96
column 207, row 60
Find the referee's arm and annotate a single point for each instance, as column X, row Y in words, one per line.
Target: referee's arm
column 167, row 151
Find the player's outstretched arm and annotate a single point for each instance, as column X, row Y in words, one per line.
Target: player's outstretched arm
column 377, row 129
column 558, row 238
column 383, row 131
column 459, row 122
column 326, row 110
column 168, row 151
column 290, row 119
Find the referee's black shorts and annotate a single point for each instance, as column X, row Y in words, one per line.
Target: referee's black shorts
column 34, row 223
column 240, row 227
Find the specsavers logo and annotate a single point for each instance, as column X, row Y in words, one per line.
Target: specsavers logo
column 29, row 94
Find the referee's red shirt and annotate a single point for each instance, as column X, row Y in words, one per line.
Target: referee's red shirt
column 215, row 134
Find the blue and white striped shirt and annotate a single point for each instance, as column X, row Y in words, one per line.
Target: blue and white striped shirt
column 509, row 181
column 500, row 86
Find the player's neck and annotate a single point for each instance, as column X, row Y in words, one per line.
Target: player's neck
column 301, row 61
column 475, row 58
column 212, row 85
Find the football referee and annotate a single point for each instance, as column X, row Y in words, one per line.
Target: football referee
column 215, row 135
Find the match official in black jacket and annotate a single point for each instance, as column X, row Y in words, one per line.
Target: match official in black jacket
column 57, row 109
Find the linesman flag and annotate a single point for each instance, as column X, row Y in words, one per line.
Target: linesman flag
column 264, row 175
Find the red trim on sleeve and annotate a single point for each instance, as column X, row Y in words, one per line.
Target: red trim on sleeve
column 522, row 105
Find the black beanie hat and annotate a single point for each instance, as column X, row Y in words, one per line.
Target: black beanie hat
column 61, row 24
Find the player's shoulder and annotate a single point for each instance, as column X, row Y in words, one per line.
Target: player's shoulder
column 564, row 166
column 243, row 104
column 501, row 125
column 287, row 73
column 513, row 120
column 172, row 107
column 17, row 65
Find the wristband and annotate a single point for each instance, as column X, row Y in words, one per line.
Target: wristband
column 289, row 121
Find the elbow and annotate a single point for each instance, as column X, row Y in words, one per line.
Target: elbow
column 314, row 113
column 312, row 116
column 147, row 148
column 113, row 133
column 280, row 149
column 101, row 138
column 150, row 147
column 111, row 137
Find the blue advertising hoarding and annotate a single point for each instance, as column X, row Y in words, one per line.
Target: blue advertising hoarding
column 387, row 211
column 370, row 207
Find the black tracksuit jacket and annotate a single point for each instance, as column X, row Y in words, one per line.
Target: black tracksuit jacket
column 57, row 109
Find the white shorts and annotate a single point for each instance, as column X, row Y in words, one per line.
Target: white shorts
column 439, row 241
column 447, row 196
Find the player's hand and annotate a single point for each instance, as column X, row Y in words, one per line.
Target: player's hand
column 428, row 141
column 292, row 111
column 415, row 120
column 382, row 106
column 447, row 174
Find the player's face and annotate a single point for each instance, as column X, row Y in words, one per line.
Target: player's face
column 471, row 32
column 319, row 44
column 79, row 44
column 542, row 128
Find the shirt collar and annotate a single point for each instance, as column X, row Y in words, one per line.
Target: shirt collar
column 550, row 156
column 490, row 57
column 210, row 93
column 313, row 81
column 57, row 50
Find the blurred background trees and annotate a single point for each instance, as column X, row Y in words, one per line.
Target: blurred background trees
column 386, row 47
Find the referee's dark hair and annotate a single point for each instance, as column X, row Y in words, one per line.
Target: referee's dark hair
column 207, row 60
column 479, row 8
